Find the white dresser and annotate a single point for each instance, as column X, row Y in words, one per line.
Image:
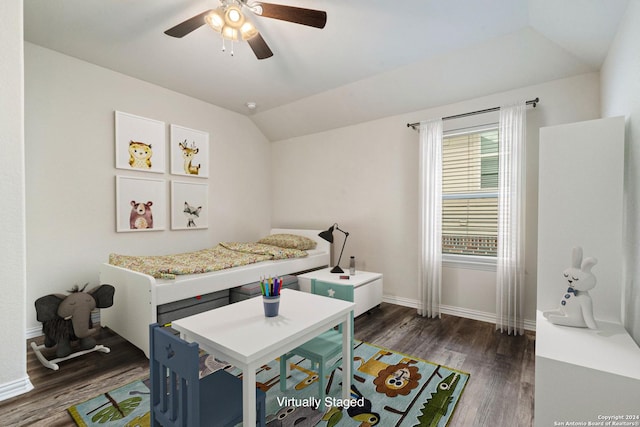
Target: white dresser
column 368, row 286
column 582, row 375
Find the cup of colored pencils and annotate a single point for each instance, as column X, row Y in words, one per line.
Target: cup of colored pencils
column 271, row 295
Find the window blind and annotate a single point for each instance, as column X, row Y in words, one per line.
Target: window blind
column 470, row 193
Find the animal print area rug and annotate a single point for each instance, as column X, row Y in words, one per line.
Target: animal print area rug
column 389, row 388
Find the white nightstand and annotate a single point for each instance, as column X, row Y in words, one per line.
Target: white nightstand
column 368, row 286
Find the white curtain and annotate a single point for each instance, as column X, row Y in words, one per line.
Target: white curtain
column 511, row 219
column 430, row 272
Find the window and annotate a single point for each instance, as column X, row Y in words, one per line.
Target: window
column 470, row 193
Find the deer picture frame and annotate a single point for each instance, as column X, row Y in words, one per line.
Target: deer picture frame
column 189, row 152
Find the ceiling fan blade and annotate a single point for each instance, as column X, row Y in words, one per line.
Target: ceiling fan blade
column 298, row 15
column 259, row 47
column 188, row 26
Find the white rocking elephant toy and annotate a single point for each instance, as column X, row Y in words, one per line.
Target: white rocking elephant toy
column 576, row 307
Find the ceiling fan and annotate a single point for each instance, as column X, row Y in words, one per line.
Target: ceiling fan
column 230, row 20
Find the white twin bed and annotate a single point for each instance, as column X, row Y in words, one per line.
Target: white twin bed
column 138, row 295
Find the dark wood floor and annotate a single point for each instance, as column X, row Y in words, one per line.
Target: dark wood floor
column 499, row 393
column 500, row 390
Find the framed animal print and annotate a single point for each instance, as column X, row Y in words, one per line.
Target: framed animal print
column 189, row 205
column 189, row 152
column 141, row 204
column 140, row 143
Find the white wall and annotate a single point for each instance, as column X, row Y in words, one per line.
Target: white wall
column 580, row 204
column 365, row 178
column 13, row 363
column 70, row 184
column 621, row 96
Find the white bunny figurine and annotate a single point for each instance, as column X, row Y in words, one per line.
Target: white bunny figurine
column 576, row 308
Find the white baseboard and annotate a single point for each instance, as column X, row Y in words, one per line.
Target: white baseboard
column 482, row 316
column 15, row 388
column 33, row 332
column 405, row 302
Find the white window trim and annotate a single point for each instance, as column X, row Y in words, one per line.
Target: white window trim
column 470, row 262
column 471, row 129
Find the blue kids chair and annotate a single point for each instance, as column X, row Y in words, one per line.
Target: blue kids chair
column 180, row 398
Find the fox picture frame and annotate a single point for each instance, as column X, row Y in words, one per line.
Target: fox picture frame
column 189, row 205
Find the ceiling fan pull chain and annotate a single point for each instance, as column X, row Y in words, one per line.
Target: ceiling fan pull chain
column 231, row 47
column 223, row 46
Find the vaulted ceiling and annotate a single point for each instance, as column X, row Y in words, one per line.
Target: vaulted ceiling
column 373, row 59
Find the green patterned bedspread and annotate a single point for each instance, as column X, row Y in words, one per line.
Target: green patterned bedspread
column 224, row 255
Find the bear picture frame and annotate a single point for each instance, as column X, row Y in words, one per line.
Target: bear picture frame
column 141, row 204
column 189, row 205
column 140, row 143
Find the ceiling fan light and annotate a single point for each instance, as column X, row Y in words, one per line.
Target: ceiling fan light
column 248, row 31
column 215, row 20
column 229, row 33
column 233, row 17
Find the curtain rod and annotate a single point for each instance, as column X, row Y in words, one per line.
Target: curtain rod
column 533, row 102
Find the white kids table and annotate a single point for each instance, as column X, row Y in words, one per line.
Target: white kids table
column 240, row 334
